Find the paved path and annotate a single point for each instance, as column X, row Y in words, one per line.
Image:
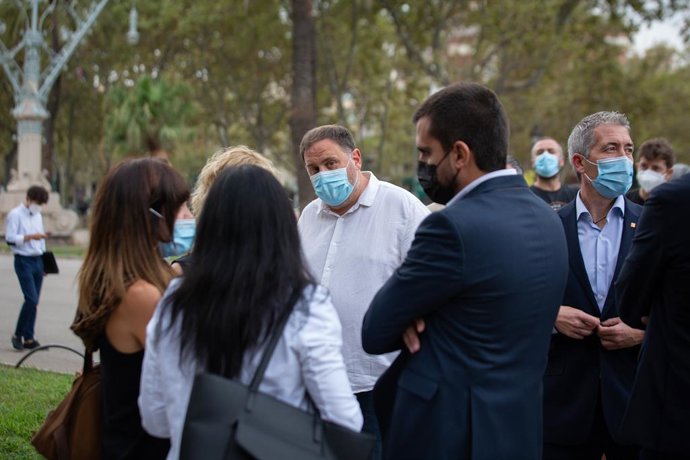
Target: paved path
column 56, row 310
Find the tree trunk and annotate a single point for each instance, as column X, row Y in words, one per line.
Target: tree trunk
column 303, row 113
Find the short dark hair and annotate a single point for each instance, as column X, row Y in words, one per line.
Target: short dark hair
column 471, row 113
column 658, row 149
column 38, row 194
column 338, row 134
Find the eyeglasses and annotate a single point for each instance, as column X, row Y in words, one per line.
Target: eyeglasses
column 156, row 213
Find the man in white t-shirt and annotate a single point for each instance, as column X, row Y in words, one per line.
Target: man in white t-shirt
column 354, row 235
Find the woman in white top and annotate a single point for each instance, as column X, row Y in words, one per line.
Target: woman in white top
column 244, row 269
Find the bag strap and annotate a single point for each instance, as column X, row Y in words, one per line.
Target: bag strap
column 88, row 361
column 272, row 342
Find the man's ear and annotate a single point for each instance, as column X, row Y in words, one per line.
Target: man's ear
column 578, row 163
column 463, row 155
column 357, row 158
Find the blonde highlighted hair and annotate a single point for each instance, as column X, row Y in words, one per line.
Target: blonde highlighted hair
column 232, row 156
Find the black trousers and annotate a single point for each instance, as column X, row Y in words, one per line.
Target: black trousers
column 598, row 442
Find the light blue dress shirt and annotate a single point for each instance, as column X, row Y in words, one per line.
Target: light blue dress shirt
column 599, row 247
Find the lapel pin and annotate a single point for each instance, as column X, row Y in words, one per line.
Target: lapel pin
column 633, row 224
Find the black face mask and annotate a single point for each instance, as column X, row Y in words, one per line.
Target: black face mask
column 426, row 174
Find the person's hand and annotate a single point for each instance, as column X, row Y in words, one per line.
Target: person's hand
column 615, row 334
column 575, row 323
column 36, row 236
column 411, row 335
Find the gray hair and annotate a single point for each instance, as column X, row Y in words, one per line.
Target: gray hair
column 338, row 134
column 581, row 139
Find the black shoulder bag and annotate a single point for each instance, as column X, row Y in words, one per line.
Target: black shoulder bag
column 227, row 420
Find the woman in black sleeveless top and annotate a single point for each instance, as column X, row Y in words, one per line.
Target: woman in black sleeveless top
column 120, row 283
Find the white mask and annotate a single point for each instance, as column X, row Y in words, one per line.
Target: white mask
column 34, row 208
column 649, row 179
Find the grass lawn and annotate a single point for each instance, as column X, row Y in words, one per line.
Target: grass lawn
column 26, row 396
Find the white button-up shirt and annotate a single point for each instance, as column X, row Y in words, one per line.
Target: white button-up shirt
column 21, row 222
column 599, row 247
column 353, row 255
column 306, row 359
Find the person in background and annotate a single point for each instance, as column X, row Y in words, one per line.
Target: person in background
column 183, row 236
column 654, row 167
column 547, row 162
column 354, row 235
column 25, row 235
column 120, row 282
column 246, row 272
column 226, row 158
column 592, row 355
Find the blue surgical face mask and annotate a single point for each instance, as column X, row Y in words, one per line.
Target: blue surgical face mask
column 183, row 238
column 546, row 165
column 333, row 187
column 615, row 176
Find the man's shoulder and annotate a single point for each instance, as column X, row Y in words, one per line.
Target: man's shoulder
column 16, row 211
column 632, row 207
column 310, row 210
column 389, row 195
column 391, row 191
column 567, row 211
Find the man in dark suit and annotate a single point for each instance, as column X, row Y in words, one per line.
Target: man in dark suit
column 476, row 297
column 655, row 283
column 592, row 355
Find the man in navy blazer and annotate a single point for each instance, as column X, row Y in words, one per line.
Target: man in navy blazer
column 476, row 298
column 655, row 283
column 593, row 353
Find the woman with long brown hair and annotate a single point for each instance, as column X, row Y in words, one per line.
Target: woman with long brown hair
column 120, row 282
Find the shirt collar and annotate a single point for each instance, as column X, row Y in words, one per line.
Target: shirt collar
column 365, row 199
column 581, row 209
column 475, row 183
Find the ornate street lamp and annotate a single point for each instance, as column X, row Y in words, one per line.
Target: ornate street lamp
column 31, row 89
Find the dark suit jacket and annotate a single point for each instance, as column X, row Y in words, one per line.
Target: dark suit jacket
column 655, row 281
column 579, row 370
column 488, row 284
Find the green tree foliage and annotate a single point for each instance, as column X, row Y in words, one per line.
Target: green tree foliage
column 210, row 74
column 150, row 116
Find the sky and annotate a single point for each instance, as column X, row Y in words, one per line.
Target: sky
column 667, row 31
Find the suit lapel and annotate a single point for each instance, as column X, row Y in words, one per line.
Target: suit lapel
column 577, row 265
